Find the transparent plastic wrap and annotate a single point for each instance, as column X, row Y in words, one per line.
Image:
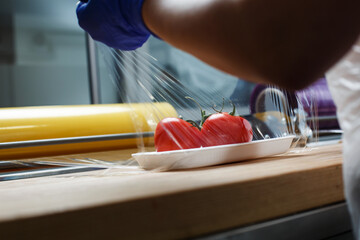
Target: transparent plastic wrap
column 211, row 127
column 166, row 124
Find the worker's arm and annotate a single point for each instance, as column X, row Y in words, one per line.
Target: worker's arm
column 289, row 43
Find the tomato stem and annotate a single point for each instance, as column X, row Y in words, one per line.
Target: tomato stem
column 203, row 114
column 232, row 113
column 222, row 107
column 194, row 124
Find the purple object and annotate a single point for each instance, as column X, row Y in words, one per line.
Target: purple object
column 316, row 101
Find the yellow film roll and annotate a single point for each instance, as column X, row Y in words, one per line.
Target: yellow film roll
column 54, row 122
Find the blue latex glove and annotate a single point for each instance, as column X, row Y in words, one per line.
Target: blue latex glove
column 117, row 23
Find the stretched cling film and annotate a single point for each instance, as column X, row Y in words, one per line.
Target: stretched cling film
column 152, row 94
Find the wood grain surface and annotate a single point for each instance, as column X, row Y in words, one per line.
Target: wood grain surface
column 130, row 203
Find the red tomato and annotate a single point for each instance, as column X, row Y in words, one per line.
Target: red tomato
column 175, row 134
column 223, row 128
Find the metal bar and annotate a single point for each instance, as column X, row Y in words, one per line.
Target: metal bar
column 319, row 223
column 5, row 165
column 94, row 81
column 83, row 139
column 45, row 172
column 321, row 118
column 330, row 131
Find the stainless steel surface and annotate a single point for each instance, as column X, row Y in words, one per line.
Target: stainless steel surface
column 330, row 131
column 83, row 139
column 94, row 82
column 327, row 222
column 321, row 118
column 44, row 172
column 6, row 165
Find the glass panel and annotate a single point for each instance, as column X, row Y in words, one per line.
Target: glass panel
column 199, row 76
column 42, row 54
column 188, row 70
column 110, row 77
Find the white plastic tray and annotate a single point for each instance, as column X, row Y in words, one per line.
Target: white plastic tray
column 208, row 156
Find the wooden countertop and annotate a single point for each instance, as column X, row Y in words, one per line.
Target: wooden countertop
column 128, row 203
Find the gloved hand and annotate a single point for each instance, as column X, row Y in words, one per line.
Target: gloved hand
column 117, row 23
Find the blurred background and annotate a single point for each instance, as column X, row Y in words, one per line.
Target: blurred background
column 45, row 59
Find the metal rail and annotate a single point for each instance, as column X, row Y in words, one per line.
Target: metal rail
column 93, row 71
column 323, row 223
column 44, row 172
column 82, row 139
